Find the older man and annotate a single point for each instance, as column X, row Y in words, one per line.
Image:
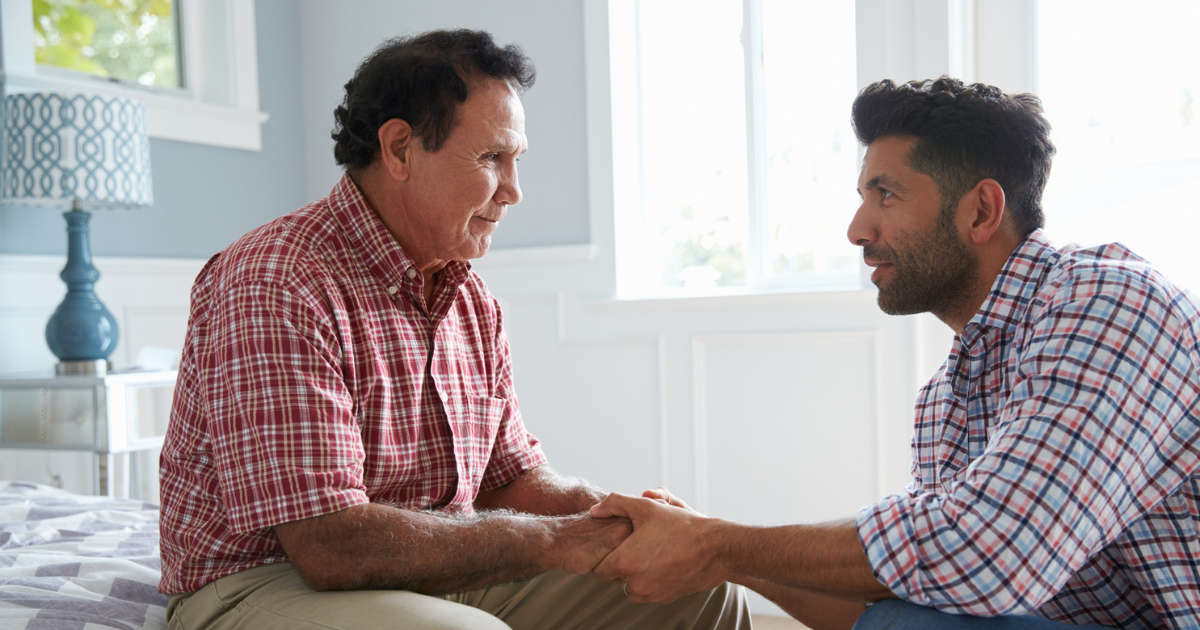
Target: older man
column 345, row 449
column 1056, row 473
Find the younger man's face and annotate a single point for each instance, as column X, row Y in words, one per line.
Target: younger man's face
column 908, row 235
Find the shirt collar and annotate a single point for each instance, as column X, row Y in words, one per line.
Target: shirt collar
column 370, row 239
column 1017, row 283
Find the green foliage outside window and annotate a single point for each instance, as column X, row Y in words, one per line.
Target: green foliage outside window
column 130, row 40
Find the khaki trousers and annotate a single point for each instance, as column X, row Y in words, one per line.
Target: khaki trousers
column 275, row 597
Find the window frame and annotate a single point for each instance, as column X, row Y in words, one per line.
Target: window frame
column 993, row 41
column 632, row 280
column 217, row 107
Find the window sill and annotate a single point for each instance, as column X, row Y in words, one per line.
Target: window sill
column 168, row 116
column 743, row 298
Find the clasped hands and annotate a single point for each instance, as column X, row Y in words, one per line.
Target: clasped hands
column 668, row 555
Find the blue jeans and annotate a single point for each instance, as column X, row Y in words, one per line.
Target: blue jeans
column 894, row 614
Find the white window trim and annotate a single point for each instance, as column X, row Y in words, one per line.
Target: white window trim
column 218, row 108
column 1006, row 44
column 993, row 41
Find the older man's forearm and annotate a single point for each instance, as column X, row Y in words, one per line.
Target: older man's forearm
column 378, row 546
column 543, row 491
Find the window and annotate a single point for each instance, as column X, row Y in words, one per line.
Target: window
column 742, row 162
column 734, row 161
column 217, row 103
column 125, row 41
column 1125, row 126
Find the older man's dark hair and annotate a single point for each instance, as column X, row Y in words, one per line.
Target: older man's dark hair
column 420, row 80
column 965, row 134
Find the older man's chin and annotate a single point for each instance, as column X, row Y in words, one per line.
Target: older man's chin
column 481, row 247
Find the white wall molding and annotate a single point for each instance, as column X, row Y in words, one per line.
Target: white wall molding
column 148, row 296
column 532, row 256
column 43, row 263
column 768, row 383
column 1006, row 44
column 737, row 301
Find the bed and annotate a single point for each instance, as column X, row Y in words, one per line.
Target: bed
column 70, row 562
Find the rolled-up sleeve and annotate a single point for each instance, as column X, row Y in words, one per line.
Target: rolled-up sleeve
column 284, row 438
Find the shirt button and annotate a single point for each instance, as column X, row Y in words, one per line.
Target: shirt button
column 411, row 273
column 392, row 290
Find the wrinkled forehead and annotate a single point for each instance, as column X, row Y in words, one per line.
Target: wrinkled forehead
column 493, row 114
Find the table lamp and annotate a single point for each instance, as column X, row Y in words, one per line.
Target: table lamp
column 77, row 152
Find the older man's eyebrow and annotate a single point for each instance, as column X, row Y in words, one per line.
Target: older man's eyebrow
column 509, row 147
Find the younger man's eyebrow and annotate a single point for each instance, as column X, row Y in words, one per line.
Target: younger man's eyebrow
column 884, row 180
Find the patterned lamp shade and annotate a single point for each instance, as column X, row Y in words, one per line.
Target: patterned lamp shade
column 77, row 152
column 61, row 148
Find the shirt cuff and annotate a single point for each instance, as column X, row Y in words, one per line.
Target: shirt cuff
column 285, row 508
column 505, row 471
column 886, row 532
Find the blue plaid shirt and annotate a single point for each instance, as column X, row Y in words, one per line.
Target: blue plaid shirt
column 1055, row 454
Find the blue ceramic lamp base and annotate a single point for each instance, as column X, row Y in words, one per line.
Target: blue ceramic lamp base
column 81, row 333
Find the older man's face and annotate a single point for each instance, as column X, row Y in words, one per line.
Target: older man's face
column 461, row 191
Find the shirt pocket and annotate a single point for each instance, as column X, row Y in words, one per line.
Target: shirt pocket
column 475, row 422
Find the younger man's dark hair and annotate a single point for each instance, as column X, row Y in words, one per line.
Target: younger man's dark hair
column 965, row 133
column 420, row 80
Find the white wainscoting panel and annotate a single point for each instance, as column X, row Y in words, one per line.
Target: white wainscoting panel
column 23, row 339
column 156, row 326
column 149, row 298
column 594, row 404
column 786, row 425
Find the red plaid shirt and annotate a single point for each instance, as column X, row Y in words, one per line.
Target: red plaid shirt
column 1056, row 453
column 313, row 379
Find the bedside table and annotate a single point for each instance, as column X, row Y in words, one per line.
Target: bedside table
column 115, row 416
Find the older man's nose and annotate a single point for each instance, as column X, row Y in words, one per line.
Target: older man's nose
column 509, row 190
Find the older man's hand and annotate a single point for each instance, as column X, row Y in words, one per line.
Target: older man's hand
column 581, row 542
column 669, row 554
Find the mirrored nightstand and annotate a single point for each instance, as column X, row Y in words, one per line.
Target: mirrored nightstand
column 121, row 418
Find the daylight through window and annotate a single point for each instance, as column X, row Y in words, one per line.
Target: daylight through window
column 1125, row 126
column 130, row 40
column 736, row 154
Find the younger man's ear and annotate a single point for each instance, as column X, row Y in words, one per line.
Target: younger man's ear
column 985, row 204
column 396, row 144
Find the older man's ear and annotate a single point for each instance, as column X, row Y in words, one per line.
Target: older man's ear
column 396, row 146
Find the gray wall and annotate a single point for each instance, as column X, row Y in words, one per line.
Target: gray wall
column 553, row 173
column 204, row 197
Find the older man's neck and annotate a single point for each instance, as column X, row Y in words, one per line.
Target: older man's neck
column 387, row 204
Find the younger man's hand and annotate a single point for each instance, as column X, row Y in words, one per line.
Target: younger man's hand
column 667, row 556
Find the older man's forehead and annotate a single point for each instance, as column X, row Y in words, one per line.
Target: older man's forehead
column 508, row 141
